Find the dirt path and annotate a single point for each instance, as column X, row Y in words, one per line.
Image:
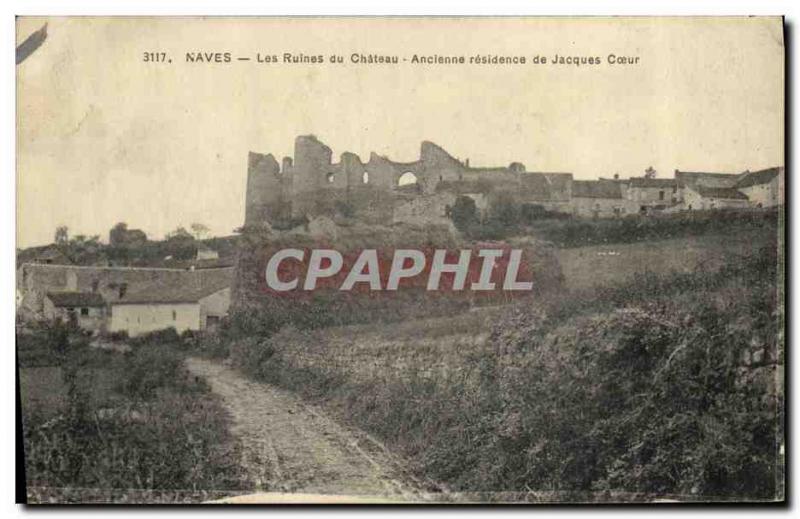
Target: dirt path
column 289, row 446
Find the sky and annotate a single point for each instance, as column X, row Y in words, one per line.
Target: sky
column 104, row 137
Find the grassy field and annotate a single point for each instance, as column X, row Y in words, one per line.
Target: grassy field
column 44, row 393
column 597, row 265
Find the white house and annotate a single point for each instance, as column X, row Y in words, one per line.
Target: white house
column 193, row 306
column 756, row 189
column 763, row 188
column 700, row 198
column 600, row 199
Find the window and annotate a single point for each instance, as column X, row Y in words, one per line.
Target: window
column 212, row 322
column 84, row 311
column 661, row 195
column 95, row 285
column 123, row 289
column 365, row 178
column 330, row 178
column 675, row 188
column 174, row 315
column 406, row 179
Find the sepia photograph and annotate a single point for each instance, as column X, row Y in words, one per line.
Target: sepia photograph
column 400, row 260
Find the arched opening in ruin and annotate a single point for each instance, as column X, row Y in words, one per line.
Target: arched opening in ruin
column 365, row 177
column 407, row 179
column 330, row 178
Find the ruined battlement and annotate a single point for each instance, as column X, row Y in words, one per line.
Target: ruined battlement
column 311, row 184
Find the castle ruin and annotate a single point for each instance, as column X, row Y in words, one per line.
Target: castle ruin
column 383, row 191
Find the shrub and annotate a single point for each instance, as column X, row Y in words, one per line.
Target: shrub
column 635, row 228
column 531, row 213
column 672, row 396
column 163, row 337
column 464, row 213
column 158, row 430
column 148, row 369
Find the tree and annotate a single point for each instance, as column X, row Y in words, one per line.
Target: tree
column 118, row 234
column 83, row 250
column 62, row 234
column 464, row 213
column 179, row 234
column 650, row 172
column 199, row 230
column 504, row 210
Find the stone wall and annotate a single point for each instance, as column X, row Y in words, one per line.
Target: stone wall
column 312, row 185
column 267, row 196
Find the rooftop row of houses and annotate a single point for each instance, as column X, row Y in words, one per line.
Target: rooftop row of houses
column 686, row 191
column 117, row 299
column 615, row 197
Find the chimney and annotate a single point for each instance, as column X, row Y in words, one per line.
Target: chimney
column 616, row 176
column 466, row 162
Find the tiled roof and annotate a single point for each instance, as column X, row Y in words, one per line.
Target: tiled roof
column 755, row 178
column 182, row 289
column 545, row 186
column 707, row 179
column 71, row 299
column 653, row 182
column 730, row 193
column 596, row 189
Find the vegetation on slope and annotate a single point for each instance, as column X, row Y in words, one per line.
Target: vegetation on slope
column 103, row 426
column 664, row 385
column 508, row 220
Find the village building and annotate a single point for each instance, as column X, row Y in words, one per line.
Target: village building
column 208, row 289
column 382, row 191
column 205, row 253
column 158, row 307
column 704, row 198
column 653, row 194
column 550, row 190
column 706, row 190
column 706, row 179
column 763, row 188
column 599, row 199
column 45, row 255
column 87, row 310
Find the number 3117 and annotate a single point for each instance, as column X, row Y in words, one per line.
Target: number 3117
column 154, row 57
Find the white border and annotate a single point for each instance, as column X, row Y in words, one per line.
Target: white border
column 318, row 8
